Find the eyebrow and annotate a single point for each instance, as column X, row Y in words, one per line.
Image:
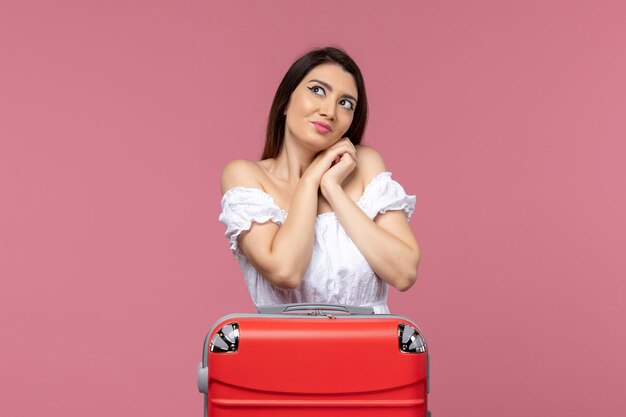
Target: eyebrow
column 325, row 84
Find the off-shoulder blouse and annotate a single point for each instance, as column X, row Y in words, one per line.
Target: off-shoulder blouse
column 338, row 273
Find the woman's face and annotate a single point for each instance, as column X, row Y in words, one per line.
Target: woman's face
column 321, row 108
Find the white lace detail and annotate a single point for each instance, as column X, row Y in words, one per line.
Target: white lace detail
column 383, row 194
column 243, row 205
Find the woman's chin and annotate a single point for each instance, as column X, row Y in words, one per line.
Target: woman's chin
column 315, row 141
column 318, row 142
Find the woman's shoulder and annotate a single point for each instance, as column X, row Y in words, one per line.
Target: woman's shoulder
column 241, row 173
column 369, row 162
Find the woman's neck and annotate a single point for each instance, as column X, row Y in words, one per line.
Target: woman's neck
column 291, row 163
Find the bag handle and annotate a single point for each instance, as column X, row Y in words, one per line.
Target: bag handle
column 299, row 307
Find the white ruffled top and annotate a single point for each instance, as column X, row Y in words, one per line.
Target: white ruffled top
column 338, row 273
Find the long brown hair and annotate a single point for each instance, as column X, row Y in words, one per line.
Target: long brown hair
column 298, row 70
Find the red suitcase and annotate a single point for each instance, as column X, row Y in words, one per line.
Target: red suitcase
column 302, row 360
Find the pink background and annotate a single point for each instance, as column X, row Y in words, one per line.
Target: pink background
column 506, row 119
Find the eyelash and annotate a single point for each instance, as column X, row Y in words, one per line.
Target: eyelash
column 322, row 88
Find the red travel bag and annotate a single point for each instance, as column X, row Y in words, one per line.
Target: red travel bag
column 304, row 360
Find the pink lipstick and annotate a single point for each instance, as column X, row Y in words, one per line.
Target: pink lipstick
column 321, row 128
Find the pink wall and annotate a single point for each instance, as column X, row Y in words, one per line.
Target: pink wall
column 506, row 119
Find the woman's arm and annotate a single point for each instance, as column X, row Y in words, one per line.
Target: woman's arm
column 282, row 253
column 387, row 243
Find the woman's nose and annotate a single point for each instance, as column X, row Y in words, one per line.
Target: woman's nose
column 327, row 110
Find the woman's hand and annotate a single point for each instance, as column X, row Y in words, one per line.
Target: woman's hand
column 338, row 155
column 336, row 175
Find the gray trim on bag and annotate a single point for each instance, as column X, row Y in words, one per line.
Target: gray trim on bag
column 344, row 308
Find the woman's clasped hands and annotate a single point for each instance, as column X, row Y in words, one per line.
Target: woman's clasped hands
column 333, row 165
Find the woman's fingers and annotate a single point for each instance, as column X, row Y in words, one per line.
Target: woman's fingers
column 344, row 146
column 346, row 142
column 343, row 153
column 333, row 154
column 336, row 155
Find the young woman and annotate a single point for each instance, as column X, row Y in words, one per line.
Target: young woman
column 318, row 218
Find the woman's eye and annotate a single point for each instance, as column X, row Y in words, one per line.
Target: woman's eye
column 317, row 90
column 347, row 104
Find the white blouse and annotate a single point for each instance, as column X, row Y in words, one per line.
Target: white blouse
column 338, row 273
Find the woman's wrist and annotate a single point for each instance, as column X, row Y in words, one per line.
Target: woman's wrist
column 330, row 189
column 309, row 181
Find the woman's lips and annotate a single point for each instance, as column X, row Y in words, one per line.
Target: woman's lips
column 321, row 128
